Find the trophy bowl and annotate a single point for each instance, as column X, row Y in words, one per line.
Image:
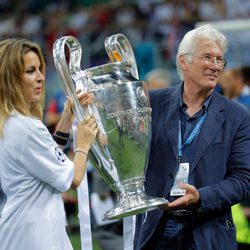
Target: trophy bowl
column 122, row 110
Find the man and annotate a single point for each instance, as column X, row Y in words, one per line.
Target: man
column 158, row 78
column 234, row 87
column 200, row 154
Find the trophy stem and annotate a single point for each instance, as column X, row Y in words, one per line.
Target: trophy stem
column 132, row 199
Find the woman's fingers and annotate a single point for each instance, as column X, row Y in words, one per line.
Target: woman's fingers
column 85, row 98
column 91, row 123
column 86, row 132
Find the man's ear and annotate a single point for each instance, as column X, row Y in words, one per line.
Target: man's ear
column 183, row 62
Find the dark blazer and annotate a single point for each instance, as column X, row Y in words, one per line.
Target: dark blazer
column 220, row 168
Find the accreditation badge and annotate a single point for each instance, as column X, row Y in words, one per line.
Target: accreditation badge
column 181, row 177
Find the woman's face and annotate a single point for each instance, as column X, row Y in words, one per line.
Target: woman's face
column 32, row 78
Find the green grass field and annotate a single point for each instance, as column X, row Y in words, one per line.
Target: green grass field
column 73, row 228
column 76, row 242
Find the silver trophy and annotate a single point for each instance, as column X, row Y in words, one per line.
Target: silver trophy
column 122, row 110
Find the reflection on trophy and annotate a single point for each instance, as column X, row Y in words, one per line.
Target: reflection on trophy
column 123, row 114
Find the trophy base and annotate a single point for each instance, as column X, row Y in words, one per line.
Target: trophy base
column 133, row 202
column 146, row 205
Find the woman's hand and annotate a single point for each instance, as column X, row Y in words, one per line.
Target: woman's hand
column 68, row 116
column 85, row 98
column 86, row 133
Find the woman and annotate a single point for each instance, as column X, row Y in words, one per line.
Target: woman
column 33, row 169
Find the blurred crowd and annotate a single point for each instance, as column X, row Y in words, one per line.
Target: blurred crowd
column 154, row 27
column 159, row 21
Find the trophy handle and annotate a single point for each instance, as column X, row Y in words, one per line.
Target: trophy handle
column 70, row 76
column 64, row 71
column 119, row 49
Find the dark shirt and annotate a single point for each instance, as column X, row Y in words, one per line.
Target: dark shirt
column 187, row 126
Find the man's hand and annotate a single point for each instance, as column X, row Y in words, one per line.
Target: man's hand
column 189, row 199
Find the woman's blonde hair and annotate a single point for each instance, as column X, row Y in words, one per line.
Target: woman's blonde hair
column 12, row 52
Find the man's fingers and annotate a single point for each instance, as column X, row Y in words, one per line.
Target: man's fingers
column 187, row 187
column 179, row 203
column 190, row 198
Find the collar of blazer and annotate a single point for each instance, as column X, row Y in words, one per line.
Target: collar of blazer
column 169, row 106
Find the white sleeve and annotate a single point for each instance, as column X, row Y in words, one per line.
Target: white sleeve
column 43, row 159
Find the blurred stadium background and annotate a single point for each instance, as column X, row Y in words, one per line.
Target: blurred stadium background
column 154, row 28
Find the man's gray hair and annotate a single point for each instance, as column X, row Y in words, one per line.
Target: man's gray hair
column 188, row 44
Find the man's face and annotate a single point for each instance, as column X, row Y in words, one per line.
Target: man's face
column 206, row 66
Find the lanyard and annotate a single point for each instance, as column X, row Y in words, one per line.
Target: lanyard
column 191, row 137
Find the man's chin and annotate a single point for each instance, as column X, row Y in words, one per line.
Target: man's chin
column 211, row 84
